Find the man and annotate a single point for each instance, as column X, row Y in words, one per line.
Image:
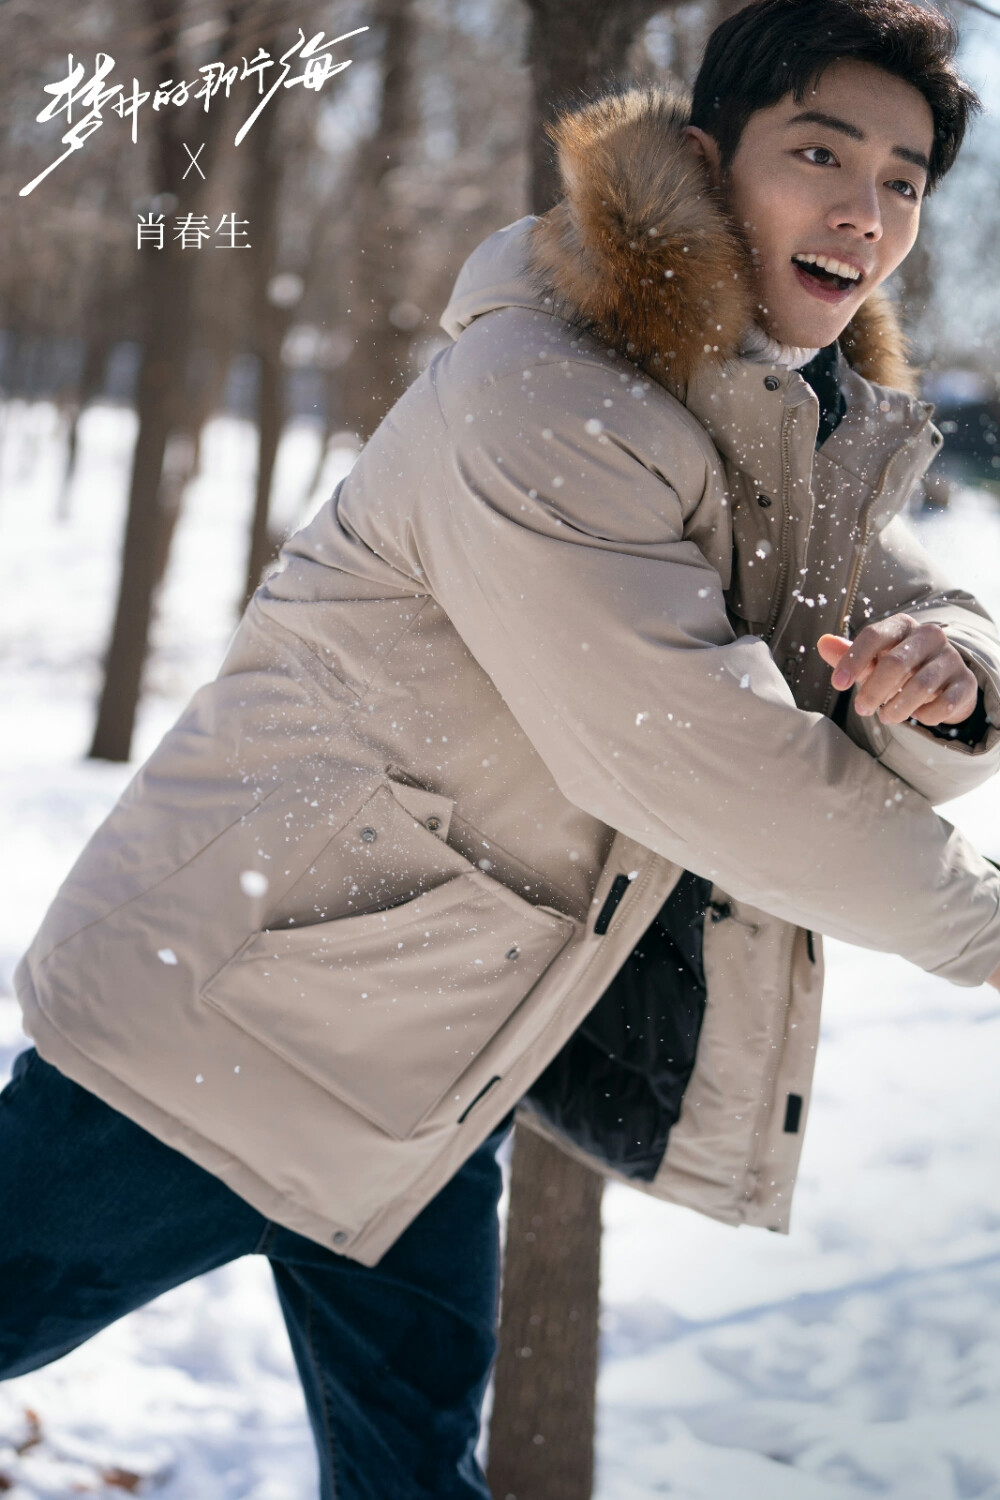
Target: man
column 527, row 774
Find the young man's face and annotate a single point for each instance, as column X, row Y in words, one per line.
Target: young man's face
column 847, row 188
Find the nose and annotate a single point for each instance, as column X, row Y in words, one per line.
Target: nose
column 860, row 213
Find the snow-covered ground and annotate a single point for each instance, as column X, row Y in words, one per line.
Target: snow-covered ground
column 859, row 1355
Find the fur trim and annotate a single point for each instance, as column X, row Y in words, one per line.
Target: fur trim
column 875, row 345
column 640, row 251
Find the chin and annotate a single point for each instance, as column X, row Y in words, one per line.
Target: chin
column 804, row 321
column 807, row 335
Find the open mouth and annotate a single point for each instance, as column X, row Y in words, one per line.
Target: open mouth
column 828, row 272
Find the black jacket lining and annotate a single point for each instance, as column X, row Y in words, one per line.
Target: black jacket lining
column 616, row 1088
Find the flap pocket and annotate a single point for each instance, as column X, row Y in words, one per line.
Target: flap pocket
column 387, row 1010
column 429, row 808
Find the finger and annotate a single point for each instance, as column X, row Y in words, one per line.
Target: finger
column 895, row 667
column 855, row 666
column 832, row 648
column 955, row 703
column 920, row 689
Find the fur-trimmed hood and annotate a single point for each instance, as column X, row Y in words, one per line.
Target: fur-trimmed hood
column 641, row 249
column 640, row 252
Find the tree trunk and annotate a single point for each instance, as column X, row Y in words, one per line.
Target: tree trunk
column 376, row 374
column 573, row 50
column 542, row 1427
column 541, row 1433
column 166, row 294
column 98, row 346
column 270, row 323
column 166, row 301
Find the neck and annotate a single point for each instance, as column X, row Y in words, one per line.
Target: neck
column 761, row 348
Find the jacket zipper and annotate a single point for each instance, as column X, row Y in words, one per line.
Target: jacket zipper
column 853, row 585
column 854, row 581
column 860, row 554
column 786, row 524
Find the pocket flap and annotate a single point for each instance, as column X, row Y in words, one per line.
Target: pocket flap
column 429, row 808
column 387, row 1010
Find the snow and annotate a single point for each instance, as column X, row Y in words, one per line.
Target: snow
column 858, row 1355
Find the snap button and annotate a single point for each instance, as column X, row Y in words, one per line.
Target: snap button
column 771, row 382
column 340, row 1238
column 763, row 501
column 433, row 823
column 369, row 835
column 513, row 953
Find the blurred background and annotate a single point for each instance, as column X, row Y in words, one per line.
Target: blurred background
column 166, row 418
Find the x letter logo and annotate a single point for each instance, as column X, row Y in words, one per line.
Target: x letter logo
column 194, row 159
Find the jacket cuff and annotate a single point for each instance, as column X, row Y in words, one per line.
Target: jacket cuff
column 937, row 766
column 979, row 959
column 984, row 668
column 972, row 731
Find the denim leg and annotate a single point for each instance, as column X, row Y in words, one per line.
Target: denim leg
column 395, row 1358
column 97, row 1217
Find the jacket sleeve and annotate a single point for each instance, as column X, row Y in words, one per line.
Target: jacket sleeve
column 900, row 577
column 566, row 540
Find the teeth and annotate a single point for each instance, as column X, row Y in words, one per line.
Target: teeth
column 831, row 264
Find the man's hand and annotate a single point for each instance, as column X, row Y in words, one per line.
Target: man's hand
column 903, row 670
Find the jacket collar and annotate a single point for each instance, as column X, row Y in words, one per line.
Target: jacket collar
column 639, row 250
column 763, row 421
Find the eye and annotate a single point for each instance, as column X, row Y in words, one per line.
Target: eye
column 823, row 150
column 909, row 191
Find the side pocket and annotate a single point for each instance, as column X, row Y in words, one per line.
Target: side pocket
column 389, row 1009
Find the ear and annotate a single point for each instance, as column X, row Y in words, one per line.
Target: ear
column 707, row 148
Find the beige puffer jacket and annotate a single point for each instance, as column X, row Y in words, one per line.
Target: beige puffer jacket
column 546, row 634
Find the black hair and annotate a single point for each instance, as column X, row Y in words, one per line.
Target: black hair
column 776, row 47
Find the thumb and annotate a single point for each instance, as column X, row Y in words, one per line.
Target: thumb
column 832, row 648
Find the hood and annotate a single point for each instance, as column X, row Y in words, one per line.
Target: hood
column 496, row 274
column 639, row 251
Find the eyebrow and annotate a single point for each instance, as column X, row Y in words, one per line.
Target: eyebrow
column 833, row 122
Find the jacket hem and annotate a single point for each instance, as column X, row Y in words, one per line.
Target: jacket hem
column 56, row 1048
column 666, row 1188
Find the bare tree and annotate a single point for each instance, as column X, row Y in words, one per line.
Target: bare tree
column 542, row 1426
column 378, row 368
column 269, row 321
column 166, row 294
column 281, row 170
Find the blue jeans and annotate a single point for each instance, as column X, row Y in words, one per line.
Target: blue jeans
column 97, row 1217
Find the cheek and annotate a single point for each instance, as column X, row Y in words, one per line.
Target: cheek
column 771, row 213
column 897, row 241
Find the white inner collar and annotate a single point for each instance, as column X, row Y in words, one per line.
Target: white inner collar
column 761, row 349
